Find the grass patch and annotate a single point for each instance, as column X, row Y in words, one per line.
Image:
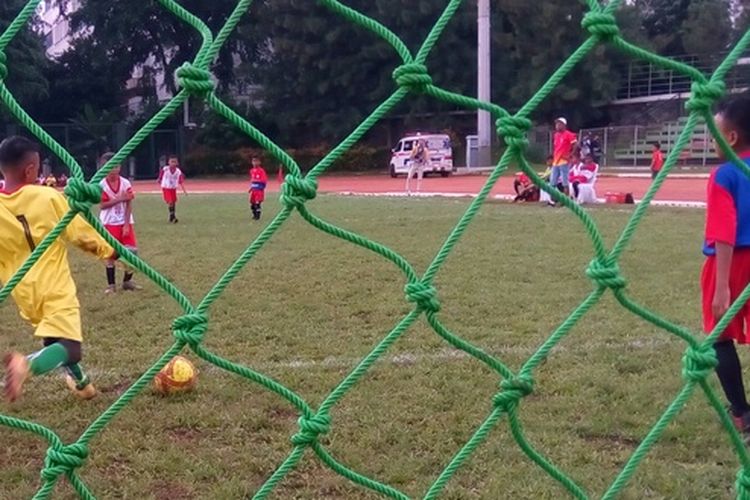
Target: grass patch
column 309, row 307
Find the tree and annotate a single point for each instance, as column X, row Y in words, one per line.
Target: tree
column 707, row 28
column 26, row 60
column 677, row 27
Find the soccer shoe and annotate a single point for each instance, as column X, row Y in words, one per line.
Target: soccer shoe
column 131, row 286
column 88, row 391
column 110, row 290
column 16, row 372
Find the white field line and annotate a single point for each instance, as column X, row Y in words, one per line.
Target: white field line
column 404, row 359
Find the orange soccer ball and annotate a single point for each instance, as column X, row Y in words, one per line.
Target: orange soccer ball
column 179, row 375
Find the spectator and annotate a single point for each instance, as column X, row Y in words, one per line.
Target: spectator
column 564, row 143
column 50, row 181
column 524, row 188
column 586, row 145
column 596, row 149
column 62, row 181
column 585, row 173
column 418, row 161
column 657, row 160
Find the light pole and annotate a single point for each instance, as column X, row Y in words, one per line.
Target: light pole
column 484, row 119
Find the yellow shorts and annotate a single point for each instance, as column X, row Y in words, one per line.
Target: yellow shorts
column 61, row 324
column 55, row 317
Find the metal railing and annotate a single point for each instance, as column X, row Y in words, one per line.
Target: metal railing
column 643, row 79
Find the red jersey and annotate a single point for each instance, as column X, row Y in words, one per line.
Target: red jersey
column 563, row 146
column 258, row 178
column 657, row 160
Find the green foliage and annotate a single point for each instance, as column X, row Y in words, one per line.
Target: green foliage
column 26, row 55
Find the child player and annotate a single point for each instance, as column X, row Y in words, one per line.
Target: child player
column 170, row 177
column 46, row 296
column 116, row 215
column 258, row 181
column 657, row 160
column 726, row 271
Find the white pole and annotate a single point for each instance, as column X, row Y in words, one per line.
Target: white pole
column 484, row 119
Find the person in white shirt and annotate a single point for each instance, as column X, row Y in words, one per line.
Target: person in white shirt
column 170, row 177
column 116, row 215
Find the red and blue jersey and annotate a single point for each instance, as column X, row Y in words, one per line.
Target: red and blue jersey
column 728, row 207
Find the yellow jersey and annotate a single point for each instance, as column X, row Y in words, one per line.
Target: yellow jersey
column 46, row 296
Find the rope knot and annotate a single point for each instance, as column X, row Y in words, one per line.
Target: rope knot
column 699, row 362
column 413, row 77
column 743, row 483
column 513, row 390
column 197, row 81
column 513, row 130
column 601, row 25
column 190, row 328
column 81, row 195
column 3, row 66
column 606, row 274
column 296, row 191
column 310, row 429
column 63, row 459
column 425, row 296
column 704, row 95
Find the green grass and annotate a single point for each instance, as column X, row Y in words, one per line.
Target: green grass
column 310, row 306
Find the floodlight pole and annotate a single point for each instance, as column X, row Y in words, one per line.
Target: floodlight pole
column 484, row 119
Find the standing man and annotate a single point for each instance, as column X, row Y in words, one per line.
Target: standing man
column 416, row 165
column 563, row 144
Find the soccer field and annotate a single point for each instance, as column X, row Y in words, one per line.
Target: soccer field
column 309, row 307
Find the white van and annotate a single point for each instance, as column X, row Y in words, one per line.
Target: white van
column 439, row 153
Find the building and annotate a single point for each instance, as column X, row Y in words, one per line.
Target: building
column 54, row 25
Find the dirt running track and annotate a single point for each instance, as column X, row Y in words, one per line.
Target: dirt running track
column 679, row 189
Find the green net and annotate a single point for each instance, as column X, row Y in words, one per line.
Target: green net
column 411, row 77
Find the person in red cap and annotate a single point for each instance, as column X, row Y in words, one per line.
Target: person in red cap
column 564, row 142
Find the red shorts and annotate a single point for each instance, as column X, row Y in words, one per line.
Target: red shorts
column 739, row 278
column 170, row 195
column 257, row 196
column 128, row 241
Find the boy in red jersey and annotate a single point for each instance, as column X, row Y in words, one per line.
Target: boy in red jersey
column 726, row 271
column 657, row 160
column 170, row 176
column 116, row 215
column 258, row 181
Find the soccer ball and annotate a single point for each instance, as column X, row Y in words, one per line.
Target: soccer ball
column 179, row 375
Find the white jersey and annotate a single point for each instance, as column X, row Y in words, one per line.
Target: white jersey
column 169, row 179
column 115, row 215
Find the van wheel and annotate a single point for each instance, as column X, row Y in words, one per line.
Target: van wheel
column 393, row 172
column 445, row 174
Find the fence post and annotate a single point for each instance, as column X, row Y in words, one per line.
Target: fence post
column 635, row 141
column 705, row 143
column 605, row 150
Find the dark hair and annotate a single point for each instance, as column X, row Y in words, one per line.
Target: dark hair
column 14, row 149
column 736, row 110
column 172, row 156
column 550, row 157
column 657, row 145
column 103, row 159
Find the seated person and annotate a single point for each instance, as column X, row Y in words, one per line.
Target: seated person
column 585, row 173
column 524, row 188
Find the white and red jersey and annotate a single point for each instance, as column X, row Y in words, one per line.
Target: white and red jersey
column 115, row 215
column 170, row 179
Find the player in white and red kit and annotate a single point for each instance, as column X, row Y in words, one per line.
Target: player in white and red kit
column 170, row 177
column 116, row 215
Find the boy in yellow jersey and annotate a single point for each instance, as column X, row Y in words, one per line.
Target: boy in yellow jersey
column 46, row 296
